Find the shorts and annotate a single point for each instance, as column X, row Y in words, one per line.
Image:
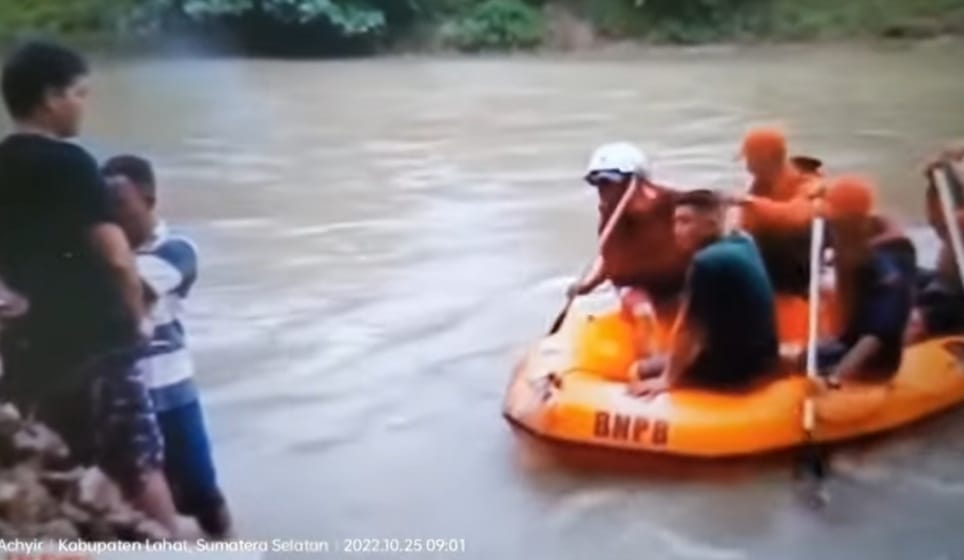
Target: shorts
column 105, row 416
column 188, row 462
column 941, row 307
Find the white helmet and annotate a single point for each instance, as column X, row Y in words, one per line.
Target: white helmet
column 621, row 157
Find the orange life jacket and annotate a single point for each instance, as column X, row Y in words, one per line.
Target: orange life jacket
column 642, row 251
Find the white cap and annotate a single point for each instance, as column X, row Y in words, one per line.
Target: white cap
column 621, row 157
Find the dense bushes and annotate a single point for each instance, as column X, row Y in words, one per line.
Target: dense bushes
column 464, row 24
column 697, row 21
column 496, row 24
column 63, row 16
column 349, row 18
column 320, row 20
column 291, row 26
column 340, row 25
column 285, row 25
column 693, row 10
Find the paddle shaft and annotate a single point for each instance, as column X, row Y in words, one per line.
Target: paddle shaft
column 941, row 181
column 607, row 232
column 813, row 330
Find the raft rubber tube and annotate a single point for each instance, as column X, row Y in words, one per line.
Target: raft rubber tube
column 572, row 387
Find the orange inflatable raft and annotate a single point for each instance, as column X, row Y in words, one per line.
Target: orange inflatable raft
column 572, row 387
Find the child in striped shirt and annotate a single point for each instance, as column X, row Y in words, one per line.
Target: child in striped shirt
column 168, row 267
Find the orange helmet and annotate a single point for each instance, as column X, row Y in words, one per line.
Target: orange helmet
column 850, row 196
column 764, row 143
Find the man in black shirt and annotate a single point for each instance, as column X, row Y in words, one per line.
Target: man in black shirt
column 70, row 357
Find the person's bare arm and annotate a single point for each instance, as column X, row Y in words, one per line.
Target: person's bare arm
column 854, row 361
column 686, row 346
column 108, row 241
column 597, row 275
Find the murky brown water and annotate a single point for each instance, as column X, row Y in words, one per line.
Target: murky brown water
column 381, row 238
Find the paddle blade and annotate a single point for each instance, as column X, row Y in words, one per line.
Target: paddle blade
column 561, row 318
column 812, row 463
column 811, row 470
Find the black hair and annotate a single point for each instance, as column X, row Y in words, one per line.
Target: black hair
column 138, row 171
column 703, row 200
column 33, row 70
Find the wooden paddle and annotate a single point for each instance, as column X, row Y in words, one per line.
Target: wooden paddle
column 944, row 176
column 813, row 461
column 603, row 239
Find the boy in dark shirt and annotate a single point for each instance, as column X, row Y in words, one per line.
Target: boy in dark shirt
column 726, row 336
column 69, row 356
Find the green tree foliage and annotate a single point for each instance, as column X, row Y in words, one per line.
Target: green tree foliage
column 497, row 24
column 468, row 24
column 83, row 17
column 63, row 16
column 693, row 10
column 326, row 25
column 348, row 17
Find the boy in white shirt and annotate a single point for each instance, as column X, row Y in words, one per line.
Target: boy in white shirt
column 168, row 266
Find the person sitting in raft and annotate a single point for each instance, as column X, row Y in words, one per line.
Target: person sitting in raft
column 641, row 258
column 726, row 333
column 778, row 210
column 875, row 268
column 940, row 303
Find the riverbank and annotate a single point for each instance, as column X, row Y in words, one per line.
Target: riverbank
column 432, row 26
column 43, row 497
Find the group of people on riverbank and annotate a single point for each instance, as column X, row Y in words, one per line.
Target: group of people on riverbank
column 92, row 342
column 713, row 263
